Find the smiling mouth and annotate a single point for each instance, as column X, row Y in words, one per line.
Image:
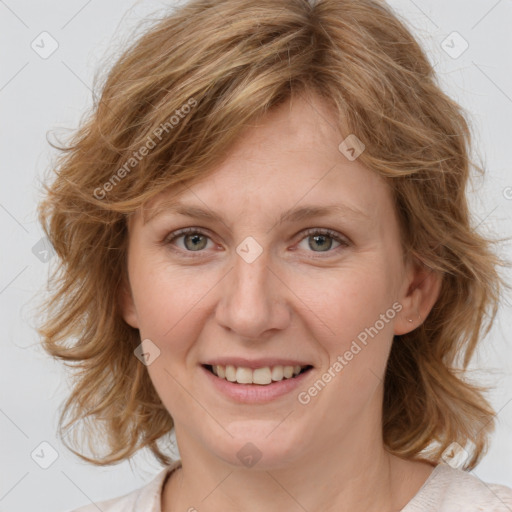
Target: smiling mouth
column 260, row 376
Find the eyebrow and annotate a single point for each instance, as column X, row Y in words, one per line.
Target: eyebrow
column 292, row 215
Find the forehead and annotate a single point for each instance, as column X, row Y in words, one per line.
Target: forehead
column 291, row 157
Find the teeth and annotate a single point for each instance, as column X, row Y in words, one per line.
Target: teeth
column 262, row 376
column 288, row 371
column 277, row 373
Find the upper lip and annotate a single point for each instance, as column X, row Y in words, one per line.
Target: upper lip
column 255, row 363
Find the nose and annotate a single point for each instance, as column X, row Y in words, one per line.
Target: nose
column 253, row 299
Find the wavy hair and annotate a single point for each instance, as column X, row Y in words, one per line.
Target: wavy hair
column 184, row 90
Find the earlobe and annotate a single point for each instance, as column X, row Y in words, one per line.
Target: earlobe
column 422, row 292
column 127, row 305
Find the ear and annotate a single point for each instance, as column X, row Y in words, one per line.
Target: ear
column 126, row 304
column 421, row 289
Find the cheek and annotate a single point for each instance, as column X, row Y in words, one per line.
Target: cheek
column 172, row 315
column 158, row 290
column 352, row 300
column 170, row 304
column 356, row 332
column 359, row 313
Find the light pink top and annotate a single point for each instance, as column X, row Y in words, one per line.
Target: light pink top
column 446, row 490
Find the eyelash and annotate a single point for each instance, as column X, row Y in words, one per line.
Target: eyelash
column 308, row 232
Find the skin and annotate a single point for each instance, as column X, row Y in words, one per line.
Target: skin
column 294, row 300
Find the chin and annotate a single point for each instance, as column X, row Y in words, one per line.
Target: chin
column 252, row 448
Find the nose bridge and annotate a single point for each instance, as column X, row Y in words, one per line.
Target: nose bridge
column 252, row 301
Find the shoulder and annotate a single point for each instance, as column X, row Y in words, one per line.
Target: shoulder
column 147, row 498
column 453, row 490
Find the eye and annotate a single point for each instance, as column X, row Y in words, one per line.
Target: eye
column 322, row 239
column 195, row 240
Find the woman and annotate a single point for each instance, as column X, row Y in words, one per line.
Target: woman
column 266, row 245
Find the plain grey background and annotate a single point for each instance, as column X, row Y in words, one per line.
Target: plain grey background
column 41, row 93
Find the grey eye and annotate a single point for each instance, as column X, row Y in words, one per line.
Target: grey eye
column 195, row 241
column 323, row 242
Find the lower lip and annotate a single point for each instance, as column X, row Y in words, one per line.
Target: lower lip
column 255, row 393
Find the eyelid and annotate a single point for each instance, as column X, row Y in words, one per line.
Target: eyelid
column 338, row 237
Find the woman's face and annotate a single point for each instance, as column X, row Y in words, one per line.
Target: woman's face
column 260, row 283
